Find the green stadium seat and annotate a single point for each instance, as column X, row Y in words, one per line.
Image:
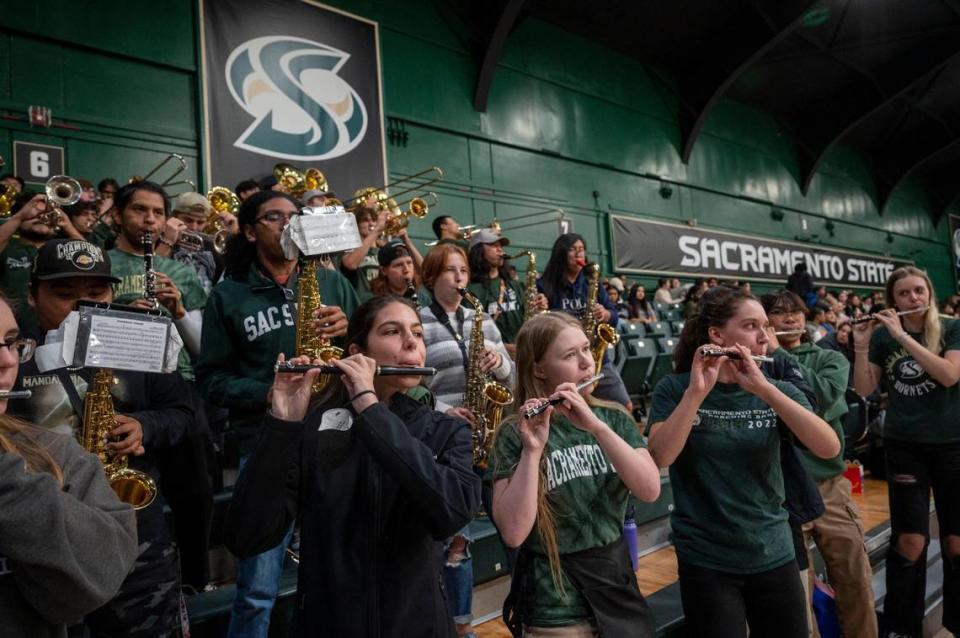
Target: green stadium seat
column 657, row 328
column 631, row 328
column 663, row 364
column 676, row 327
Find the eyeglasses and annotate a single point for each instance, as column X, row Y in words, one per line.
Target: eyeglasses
column 22, row 347
column 274, row 216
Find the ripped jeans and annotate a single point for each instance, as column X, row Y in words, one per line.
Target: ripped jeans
column 913, row 470
column 458, row 578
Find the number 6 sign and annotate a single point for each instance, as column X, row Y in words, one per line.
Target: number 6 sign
column 37, row 162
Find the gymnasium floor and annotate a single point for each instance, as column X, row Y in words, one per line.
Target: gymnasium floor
column 659, row 569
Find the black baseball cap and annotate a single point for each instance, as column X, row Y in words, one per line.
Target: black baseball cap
column 388, row 252
column 68, row 258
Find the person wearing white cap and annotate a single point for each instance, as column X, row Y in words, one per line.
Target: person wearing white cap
column 190, row 213
column 496, row 286
column 316, row 198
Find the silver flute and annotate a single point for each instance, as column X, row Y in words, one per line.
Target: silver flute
column 707, row 351
column 7, row 395
column 384, row 371
column 540, row 409
column 788, row 333
column 873, row 315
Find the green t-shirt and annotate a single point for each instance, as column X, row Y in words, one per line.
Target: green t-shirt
column 16, row 262
column 920, row 410
column 362, row 278
column 727, row 481
column 587, row 497
column 506, row 307
column 129, row 269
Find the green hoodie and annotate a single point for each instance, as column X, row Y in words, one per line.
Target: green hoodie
column 827, row 372
column 246, row 324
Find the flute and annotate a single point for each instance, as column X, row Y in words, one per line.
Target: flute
column 540, row 409
column 788, row 333
column 384, row 371
column 707, row 351
column 873, row 315
column 6, row 395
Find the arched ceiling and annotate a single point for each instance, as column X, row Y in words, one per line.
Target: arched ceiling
column 881, row 76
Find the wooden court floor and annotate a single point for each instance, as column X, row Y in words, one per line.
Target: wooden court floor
column 659, row 569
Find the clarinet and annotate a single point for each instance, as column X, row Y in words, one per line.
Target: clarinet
column 149, row 274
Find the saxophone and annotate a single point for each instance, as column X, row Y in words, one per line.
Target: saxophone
column 530, row 288
column 601, row 335
column 484, row 397
column 307, row 341
column 131, row 486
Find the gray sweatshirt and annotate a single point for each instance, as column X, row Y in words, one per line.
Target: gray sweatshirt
column 63, row 552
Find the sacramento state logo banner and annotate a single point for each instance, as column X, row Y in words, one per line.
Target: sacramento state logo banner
column 291, row 81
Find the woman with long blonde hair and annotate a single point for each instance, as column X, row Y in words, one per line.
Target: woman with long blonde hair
column 557, row 495
column 917, row 354
column 66, row 541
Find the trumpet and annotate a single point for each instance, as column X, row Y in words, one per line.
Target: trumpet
column 61, row 191
column 872, row 316
column 717, row 351
column 286, row 367
column 194, row 242
column 419, row 207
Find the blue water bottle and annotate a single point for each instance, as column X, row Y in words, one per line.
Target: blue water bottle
column 630, row 534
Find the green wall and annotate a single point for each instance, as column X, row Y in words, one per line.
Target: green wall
column 566, row 118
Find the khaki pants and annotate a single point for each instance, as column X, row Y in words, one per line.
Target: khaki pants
column 839, row 537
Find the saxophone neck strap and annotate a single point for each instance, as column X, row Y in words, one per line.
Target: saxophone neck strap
column 444, row 320
column 75, row 402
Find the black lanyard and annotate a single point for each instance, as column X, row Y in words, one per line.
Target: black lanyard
column 444, row 320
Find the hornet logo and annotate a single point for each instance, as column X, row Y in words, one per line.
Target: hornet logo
column 301, row 108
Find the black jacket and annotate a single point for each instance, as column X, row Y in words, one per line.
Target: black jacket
column 375, row 498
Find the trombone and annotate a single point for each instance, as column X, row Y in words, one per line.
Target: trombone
column 169, row 182
column 381, row 192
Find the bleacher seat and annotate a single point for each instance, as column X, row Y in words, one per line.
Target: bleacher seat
column 676, row 327
column 663, row 364
column 636, row 367
column 631, row 328
column 670, row 314
column 657, row 328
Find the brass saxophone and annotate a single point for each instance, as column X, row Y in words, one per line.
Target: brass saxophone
column 530, row 288
column 601, row 335
column 308, row 300
column 484, row 397
column 131, row 486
